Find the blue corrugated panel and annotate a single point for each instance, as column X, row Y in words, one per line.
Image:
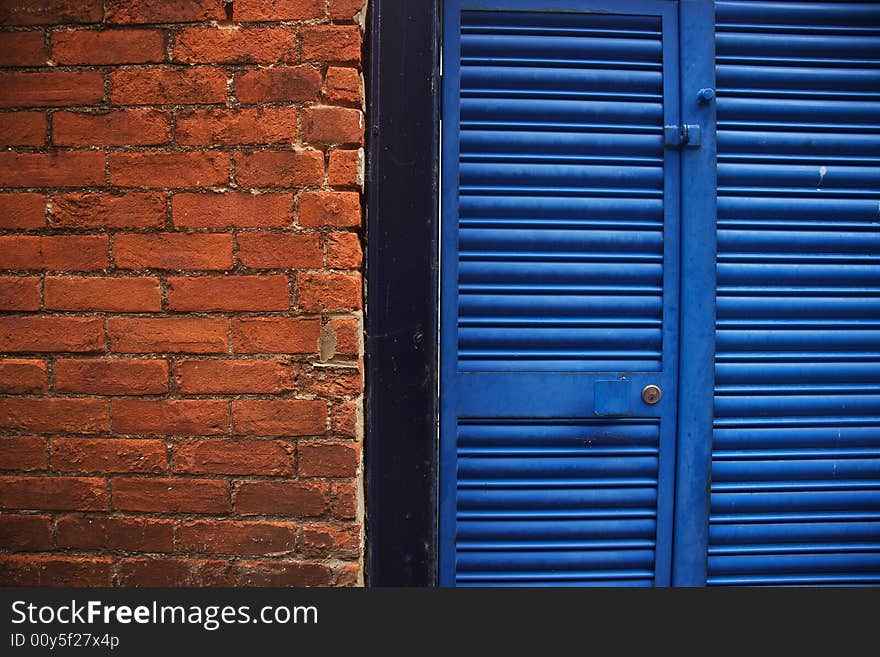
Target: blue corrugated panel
column 796, row 457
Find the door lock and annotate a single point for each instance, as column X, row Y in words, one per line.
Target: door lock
column 651, row 394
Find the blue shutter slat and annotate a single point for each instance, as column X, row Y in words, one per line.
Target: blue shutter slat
column 796, row 455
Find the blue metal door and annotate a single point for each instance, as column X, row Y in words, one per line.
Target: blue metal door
column 577, row 250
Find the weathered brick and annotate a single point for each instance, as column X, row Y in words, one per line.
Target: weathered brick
column 229, row 293
column 344, row 502
column 344, row 87
column 101, row 455
column 278, row 10
column 233, row 457
column 22, row 211
column 103, row 293
column 319, row 539
column 232, row 209
column 348, row 333
column 54, row 252
column 51, row 88
column 279, row 168
column 89, row 210
column 333, row 125
column 22, row 376
column 165, row 86
column 25, row 532
column 180, row 251
column 47, row 414
column 282, row 573
column 327, row 382
column 168, row 334
column 111, row 376
column 328, row 292
column 113, row 46
column 23, row 129
column 321, row 208
column 344, row 419
column 279, row 250
column 134, row 127
column 55, row 169
column 50, row 333
column 331, row 43
column 346, row 168
column 170, row 495
column 275, row 335
column 163, row 11
column 207, row 45
column 52, row 570
column 343, row 10
column 19, row 293
column 282, row 498
column 298, row 84
column 166, row 571
column 237, row 537
column 112, row 533
column 279, row 417
column 47, row 12
column 175, row 170
column 24, row 453
column 328, row 459
column 343, row 250
column 260, row 125
column 54, row 493
column 194, row 417
column 227, row 376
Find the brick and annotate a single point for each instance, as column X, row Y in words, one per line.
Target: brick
column 279, row 250
column 46, row 414
column 279, row 417
column 331, row 43
column 89, row 210
column 231, row 210
column 23, row 376
column 237, row 537
column 328, row 460
column 165, row 86
column 346, row 168
column 328, row 292
column 282, row 573
column 134, row 127
column 233, row 457
column 47, row 12
column 56, row 169
column 113, row 46
column 48, row 333
column 168, row 334
column 22, row 210
column 174, row 170
column 177, row 251
column 221, row 377
column 344, row 502
column 54, row 493
column 326, row 382
column 111, row 376
column 321, row 208
column 54, row 252
column 100, row 455
column 333, row 125
column 207, row 45
column 280, row 168
column 344, row 86
column 24, row 453
column 282, row 498
column 163, row 11
column 23, row 129
column 25, row 532
column 110, row 533
column 319, row 539
column 278, row 10
column 228, row 293
column 260, row 125
column 347, row 574
column 344, row 10
column 344, row 419
column 275, row 335
column 299, row 84
column 103, row 293
column 202, row 417
column 52, row 570
column 152, row 571
column 171, row 495
column 51, row 88
column 347, row 336
column 19, row 293
column 343, row 250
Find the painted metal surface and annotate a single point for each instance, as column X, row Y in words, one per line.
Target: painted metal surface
column 796, row 457
column 560, row 270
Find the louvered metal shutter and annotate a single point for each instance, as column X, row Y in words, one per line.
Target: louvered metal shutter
column 796, row 458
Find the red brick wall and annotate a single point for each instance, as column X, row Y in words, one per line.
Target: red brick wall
column 180, row 353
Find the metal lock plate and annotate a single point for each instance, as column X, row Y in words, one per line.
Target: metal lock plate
column 651, row 394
